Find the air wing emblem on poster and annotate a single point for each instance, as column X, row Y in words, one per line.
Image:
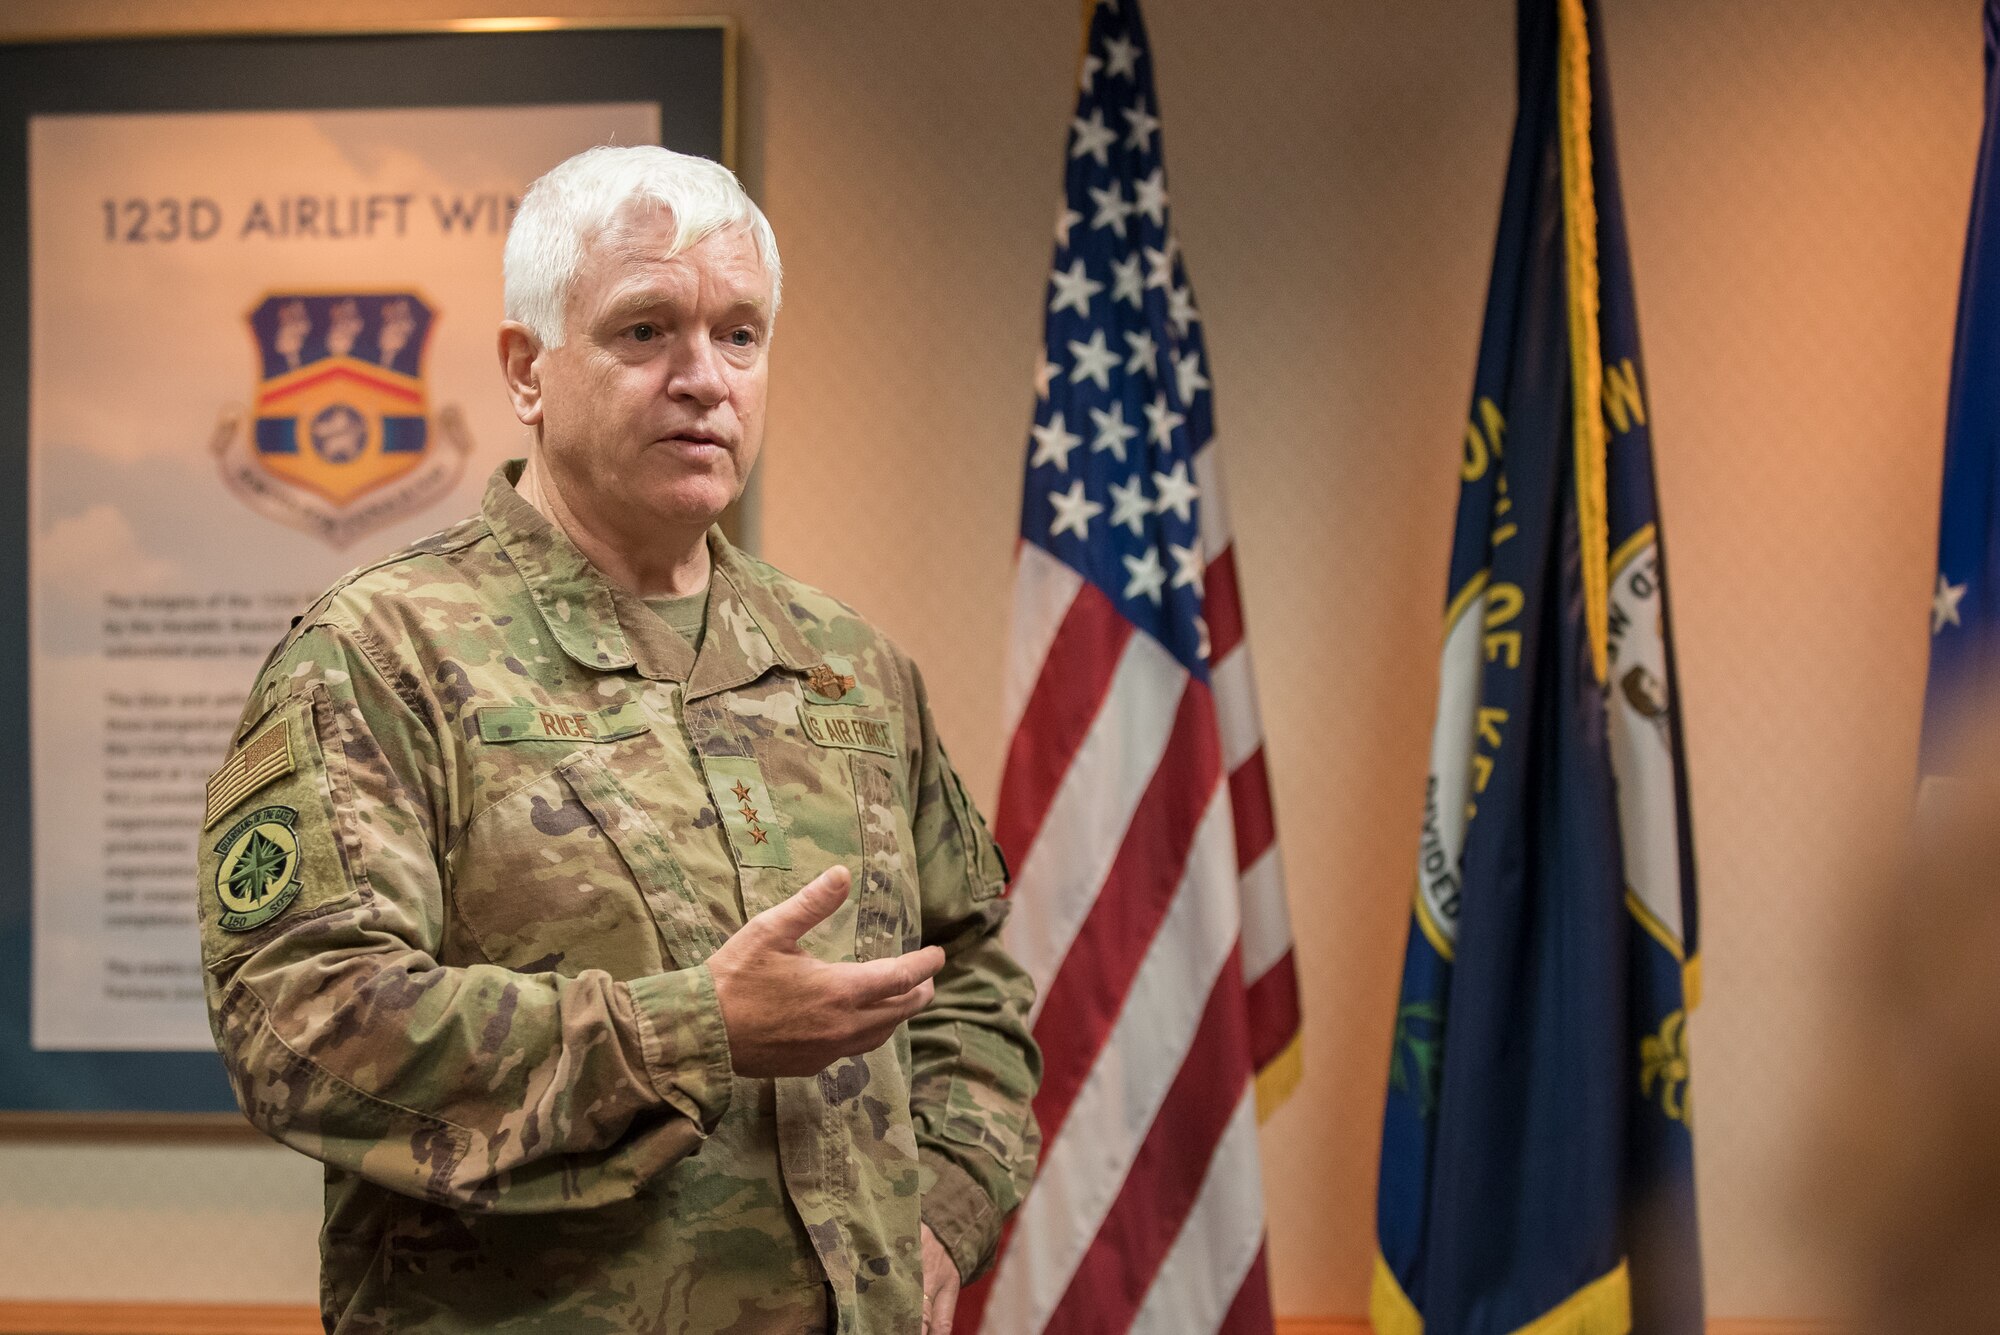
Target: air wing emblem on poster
column 341, row 440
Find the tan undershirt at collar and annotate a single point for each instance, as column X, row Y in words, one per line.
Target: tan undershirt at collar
column 688, row 616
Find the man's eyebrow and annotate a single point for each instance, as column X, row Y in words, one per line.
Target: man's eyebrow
column 648, row 299
column 632, row 303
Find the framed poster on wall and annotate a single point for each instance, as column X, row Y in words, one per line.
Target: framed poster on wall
column 249, row 293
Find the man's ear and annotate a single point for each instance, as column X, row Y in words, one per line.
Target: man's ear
column 520, row 364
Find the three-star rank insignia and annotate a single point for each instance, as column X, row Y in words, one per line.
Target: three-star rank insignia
column 827, row 683
column 258, row 875
column 342, row 438
column 741, row 792
column 756, row 833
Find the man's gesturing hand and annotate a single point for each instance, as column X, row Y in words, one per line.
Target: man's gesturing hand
column 790, row 1014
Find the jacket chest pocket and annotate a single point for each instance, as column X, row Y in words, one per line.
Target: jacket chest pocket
column 795, row 804
column 569, row 872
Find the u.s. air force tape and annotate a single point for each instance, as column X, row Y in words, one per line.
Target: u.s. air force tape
column 830, row 725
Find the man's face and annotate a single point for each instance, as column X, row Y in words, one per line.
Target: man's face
column 653, row 407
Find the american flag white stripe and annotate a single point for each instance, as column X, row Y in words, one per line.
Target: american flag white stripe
column 1044, row 588
column 1236, row 708
column 1267, row 936
column 1135, row 802
column 1099, row 792
column 1199, row 1280
column 1086, row 1164
column 1163, row 1185
column 1215, row 529
column 1267, row 928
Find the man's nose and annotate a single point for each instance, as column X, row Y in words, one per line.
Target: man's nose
column 697, row 374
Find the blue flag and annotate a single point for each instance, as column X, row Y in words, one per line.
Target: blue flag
column 1965, row 606
column 1537, row 1158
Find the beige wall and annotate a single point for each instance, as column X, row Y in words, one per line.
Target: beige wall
column 1797, row 179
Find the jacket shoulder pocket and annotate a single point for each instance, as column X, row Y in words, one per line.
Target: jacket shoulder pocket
column 883, row 911
column 985, row 865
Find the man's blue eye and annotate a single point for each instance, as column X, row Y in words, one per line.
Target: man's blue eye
column 743, row 338
column 643, row 332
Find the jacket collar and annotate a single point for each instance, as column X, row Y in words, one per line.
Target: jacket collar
column 608, row 629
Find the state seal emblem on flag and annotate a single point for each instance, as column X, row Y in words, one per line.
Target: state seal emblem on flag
column 341, row 439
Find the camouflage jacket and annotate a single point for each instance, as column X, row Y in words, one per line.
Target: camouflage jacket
column 483, row 821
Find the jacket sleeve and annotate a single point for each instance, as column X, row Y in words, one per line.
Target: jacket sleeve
column 976, row 1066
column 322, row 912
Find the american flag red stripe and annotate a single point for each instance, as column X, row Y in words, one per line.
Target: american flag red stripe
column 1065, row 698
column 1251, row 1312
column 1135, row 802
column 1126, row 911
column 1273, row 1003
column 1223, row 604
column 1250, row 801
column 1111, row 1283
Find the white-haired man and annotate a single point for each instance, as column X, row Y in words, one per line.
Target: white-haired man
column 597, row 902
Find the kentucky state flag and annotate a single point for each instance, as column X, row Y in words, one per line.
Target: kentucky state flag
column 1537, row 1160
column 1965, row 607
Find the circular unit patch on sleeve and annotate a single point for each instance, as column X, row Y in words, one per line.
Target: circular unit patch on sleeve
column 259, row 875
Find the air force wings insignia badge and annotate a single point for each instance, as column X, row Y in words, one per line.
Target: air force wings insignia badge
column 342, row 439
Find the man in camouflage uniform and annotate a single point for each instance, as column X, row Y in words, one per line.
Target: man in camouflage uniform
column 526, row 886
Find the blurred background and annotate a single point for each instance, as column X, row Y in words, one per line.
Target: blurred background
column 1796, row 181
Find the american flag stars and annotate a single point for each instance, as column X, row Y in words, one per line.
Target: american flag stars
column 1092, row 138
column 1188, row 377
column 1045, row 371
column 1094, row 361
column 1162, row 421
column 1130, row 505
column 1053, row 445
column 1144, row 125
column 1066, row 218
column 1074, row 510
column 1121, row 58
column 1112, row 208
column 1145, row 352
column 1088, row 74
column 1188, row 564
column 1149, row 197
column 1147, row 575
column 1125, row 283
column 1112, row 431
column 1074, row 289
column 1176, row 493
column 1122, row 366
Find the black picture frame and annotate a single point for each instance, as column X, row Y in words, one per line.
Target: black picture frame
column 686, row 66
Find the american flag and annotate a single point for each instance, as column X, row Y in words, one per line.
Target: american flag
column 1135, row 805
